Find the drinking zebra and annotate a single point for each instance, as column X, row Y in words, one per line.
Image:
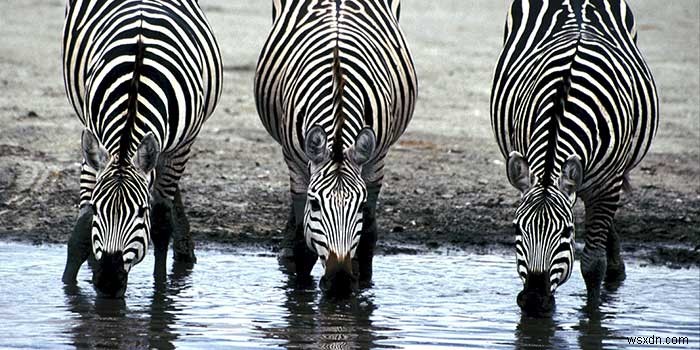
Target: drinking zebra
column 335, row 87
column 574, row 110
column 143, row 76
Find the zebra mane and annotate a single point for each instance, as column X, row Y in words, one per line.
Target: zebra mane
column 126, row 135
column 559, row 100
column 338, row 116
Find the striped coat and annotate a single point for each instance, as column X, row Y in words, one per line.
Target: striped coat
column 574, row 109
column 335, row 86
column 143, row 76
column 294, row 80
column 173, row 91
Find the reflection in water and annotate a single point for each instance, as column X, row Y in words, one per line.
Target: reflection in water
column 541, row 332
column 592, row 331
column 314, row 321
column 241, row 301
column 538, row 333
column 103, row 322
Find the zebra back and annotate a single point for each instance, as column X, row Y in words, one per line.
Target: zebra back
column 138, row 66
column 294, row 82
column 571, row 81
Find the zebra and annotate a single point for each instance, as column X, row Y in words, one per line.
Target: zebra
column 335, row 86
column 574, row 109
column 142, row 76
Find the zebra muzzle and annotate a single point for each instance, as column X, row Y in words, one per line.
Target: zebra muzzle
column 536, row 299
column 109, row 276
column 338, row 279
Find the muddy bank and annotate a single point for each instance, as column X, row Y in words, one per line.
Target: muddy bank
column 445, row 186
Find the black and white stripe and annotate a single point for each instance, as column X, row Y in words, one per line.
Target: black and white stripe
column 335, row 73
column 574, row 109
column 143, row 76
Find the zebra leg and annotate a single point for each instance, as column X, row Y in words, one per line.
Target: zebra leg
column 80, row 242
column 286, row 248
column 183, row 245
column 79, row 245
column 599, row 221
column 616, row 265
column 304, row 258
column 161, row 228
column 368, row 238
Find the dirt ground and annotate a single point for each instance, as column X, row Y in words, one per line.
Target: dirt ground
column 445, row 186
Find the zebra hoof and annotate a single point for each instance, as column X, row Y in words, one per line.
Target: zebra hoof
column 285, row 257
column 184, row 252
column 615, row 272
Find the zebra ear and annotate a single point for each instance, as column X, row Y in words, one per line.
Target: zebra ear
column 364, row 146
column 94, row 154
column 147, row 153
column 518, row 172
column 316, row 145
column 571, row 175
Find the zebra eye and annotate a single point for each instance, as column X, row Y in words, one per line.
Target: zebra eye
column 142, row 211
column 567, row 232
column 315, row 205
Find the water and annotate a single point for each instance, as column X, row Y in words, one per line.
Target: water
column 231, row 299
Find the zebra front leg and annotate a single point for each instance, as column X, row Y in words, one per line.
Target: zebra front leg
column 79, row 245
column 368, row 239
column 161, row 228
column 286, row 247
column 183, row 245
column 594, row 261
column 304, row 258
column 616, row 266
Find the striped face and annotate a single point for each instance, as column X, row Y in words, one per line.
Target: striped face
column 336, row 198
column 120, row 201
column 121, row 221
column 544, row 236
column 544, row 228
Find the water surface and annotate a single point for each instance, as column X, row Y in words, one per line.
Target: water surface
column 242, row 300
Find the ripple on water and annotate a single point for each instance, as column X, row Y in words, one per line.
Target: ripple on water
column 425, row 301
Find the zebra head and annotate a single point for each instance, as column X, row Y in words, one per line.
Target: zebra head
column 544, row 231
column 120, row 203
column 336, row 199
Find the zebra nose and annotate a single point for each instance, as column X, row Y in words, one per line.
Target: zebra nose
column 536, row 298
column 338, row 279
column 109, row 276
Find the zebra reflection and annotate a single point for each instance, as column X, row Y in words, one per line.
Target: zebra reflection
column 108, row 322
column 313, row 320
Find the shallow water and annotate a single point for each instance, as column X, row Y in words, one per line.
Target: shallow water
column 231, row 299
